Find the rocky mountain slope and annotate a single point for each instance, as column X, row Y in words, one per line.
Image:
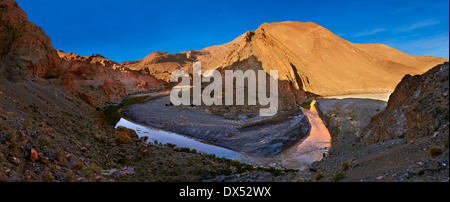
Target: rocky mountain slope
column 407, row 141
column 309, row 57
column 50, row 131
column 418, row 107
column 101, row 82
column 25, row 50
column 310, row 61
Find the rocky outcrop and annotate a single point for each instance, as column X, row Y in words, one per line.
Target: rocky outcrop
column 348, row 117
column 418, row 107
column 25, row 49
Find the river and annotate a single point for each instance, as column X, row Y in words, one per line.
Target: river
column 299, row 156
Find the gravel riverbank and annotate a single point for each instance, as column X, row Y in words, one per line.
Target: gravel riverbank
column 250, row 135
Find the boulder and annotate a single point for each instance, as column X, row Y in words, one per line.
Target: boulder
column 33, row 155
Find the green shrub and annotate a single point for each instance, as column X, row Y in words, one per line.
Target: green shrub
column 225, row 171
column 435, row 151
column 47, row 177
column 144, row 138
column 184, row 149
column 446, row 143
column 351, row 117
column 92, row 168
column 435, row 128
column 318, row 176
column 2, row 124
column 345, row 166
column 45, row 141
column 275, row 172
column 79, row 165
column 61, row 157
column 12, row 135
column 70, row 177
column 306, row 104
column 337, row 177
column 26, row 124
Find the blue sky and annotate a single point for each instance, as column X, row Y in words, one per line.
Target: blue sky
column 130, row 30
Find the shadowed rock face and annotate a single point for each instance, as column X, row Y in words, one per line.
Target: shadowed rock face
column 25, row 50
column 100, row 81
column 288, row 96
column 346, row 120
column 418, row 107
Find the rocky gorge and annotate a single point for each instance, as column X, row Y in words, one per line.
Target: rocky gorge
column 52, row 125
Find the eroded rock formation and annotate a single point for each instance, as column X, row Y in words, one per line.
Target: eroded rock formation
column 418, row 107
column 25, row 49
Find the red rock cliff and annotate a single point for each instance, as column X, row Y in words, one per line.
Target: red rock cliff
column 25, row 49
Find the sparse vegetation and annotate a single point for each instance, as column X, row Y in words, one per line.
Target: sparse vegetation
column 2, row 124
column 12, row 135
column 144, row 138
column 47, row 177
column 345, row 166
column 318, row 176
column 45, row 141
column 60, row 156
column 275, row 172
column 435, row 128
column 34, row 108
column 57, row 133
column 79, row 165
column 27, row 124
column 338, row 177
column 70, row 177
column 44, row 130
column 306, row 104
column 351, row 117
column 92, row 168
